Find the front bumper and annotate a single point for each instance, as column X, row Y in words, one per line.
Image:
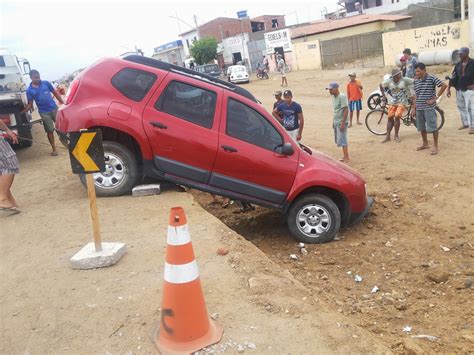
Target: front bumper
column 239, row 80
column 357, row 217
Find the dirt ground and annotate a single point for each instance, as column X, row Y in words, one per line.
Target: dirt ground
column 417, row 245
column 423, row 207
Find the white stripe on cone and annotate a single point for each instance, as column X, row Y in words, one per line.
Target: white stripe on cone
column 178, row 235
column 181, row 274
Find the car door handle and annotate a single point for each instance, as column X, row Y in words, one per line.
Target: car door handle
column 228, row 148
column 158, row 125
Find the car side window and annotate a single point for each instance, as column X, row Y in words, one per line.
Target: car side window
column 248, row 125
column 133, row 83
column 189, row 103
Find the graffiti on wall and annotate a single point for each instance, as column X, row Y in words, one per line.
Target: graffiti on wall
column 437, row 38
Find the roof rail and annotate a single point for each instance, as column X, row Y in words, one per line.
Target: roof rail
column 176, row 68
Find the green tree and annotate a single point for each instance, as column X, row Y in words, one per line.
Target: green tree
column 204, row 50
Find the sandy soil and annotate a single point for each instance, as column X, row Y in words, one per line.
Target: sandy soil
column 308, row 306
column 48, row 308
column 417, row 245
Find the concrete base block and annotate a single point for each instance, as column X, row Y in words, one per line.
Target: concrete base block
column 88, row 258
column 146, row 190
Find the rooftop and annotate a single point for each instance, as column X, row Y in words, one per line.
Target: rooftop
column 331, row 25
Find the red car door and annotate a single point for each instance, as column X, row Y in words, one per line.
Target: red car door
column 249, row 159
column 181, row 122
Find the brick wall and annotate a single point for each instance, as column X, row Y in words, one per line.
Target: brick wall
column 224, row 27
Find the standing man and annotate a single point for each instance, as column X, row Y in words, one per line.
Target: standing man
column 290, row 115
column 278, row 99
column 354, row 93
column 400, row 92
column 411, row 62
column 281, row 68
column 40, row 91
column 8, row 168
column 462, row 80
column 340, row 119
column 425, row 90
column 265, row 63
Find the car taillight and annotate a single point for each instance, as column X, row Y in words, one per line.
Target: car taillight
column 6, row 119
column 71, row 91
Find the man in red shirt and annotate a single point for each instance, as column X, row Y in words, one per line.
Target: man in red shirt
column 354, row 95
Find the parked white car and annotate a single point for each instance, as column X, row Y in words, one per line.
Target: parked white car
column 238, row 74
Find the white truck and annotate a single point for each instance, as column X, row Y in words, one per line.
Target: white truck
column 14, row 80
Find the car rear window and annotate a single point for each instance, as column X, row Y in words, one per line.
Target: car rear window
column 188, row 102
column 133, row 83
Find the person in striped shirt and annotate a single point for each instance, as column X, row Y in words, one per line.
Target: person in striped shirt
column 426, row 96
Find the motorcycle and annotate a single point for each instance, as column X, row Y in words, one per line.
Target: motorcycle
column 262, row 73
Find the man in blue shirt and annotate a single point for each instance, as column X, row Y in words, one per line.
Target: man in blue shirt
column 40, row 92
column 290, row 115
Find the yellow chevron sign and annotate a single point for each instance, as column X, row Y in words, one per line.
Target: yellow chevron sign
column 86, row 152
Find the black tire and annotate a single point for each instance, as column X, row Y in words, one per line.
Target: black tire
column 441, row 117
column 318, row 209
column 25, row 131
column 25, row 143
column 260, row 76
column 375, row 123
column 374, row 101
column 119, row 159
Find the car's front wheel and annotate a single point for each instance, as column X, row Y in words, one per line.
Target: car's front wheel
column 121, row 171
column 314, row 218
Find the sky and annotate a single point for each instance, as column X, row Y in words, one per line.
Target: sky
column 59, row 37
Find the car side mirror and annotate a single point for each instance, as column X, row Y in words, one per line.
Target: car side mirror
column 26, row 67
column 287, row 149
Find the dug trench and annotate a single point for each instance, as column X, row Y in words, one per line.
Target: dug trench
column 415, row 282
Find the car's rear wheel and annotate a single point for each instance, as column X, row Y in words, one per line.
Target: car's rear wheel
column 121, row 172
column 314, row 218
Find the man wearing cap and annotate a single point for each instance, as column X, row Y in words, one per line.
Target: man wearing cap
column 290, row 115
column 400, row 92
column 410, row 63
column 354, row 93
column 339, row 125
column 462, row 79
column 278, row 98
column 426, row 96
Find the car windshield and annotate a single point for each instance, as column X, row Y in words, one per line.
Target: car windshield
column 238, row 69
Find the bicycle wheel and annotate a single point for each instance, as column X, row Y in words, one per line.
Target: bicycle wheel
column 441, row 117
column 288, row 68
column 376, row 122
column 374, row 101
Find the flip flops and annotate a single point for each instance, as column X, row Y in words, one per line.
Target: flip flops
column 11, row 210
column 423, row 147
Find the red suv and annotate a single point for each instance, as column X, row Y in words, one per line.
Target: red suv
column 164, row 121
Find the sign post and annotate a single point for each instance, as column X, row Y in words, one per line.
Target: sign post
column 87, row 157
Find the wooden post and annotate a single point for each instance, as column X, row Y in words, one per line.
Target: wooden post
column 94, row 212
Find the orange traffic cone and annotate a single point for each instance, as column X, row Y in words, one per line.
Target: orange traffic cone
column 185, row 326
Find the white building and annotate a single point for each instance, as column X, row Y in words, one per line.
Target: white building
column 235, row 49
column 188, row 39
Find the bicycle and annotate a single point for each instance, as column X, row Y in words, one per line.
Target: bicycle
column 376, row 120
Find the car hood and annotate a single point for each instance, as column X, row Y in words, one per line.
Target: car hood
column 313, row 156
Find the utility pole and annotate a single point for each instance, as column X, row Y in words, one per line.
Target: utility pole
column 197, row 27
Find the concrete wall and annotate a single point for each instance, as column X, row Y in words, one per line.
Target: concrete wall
column 307, row 55
column 447, row 36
